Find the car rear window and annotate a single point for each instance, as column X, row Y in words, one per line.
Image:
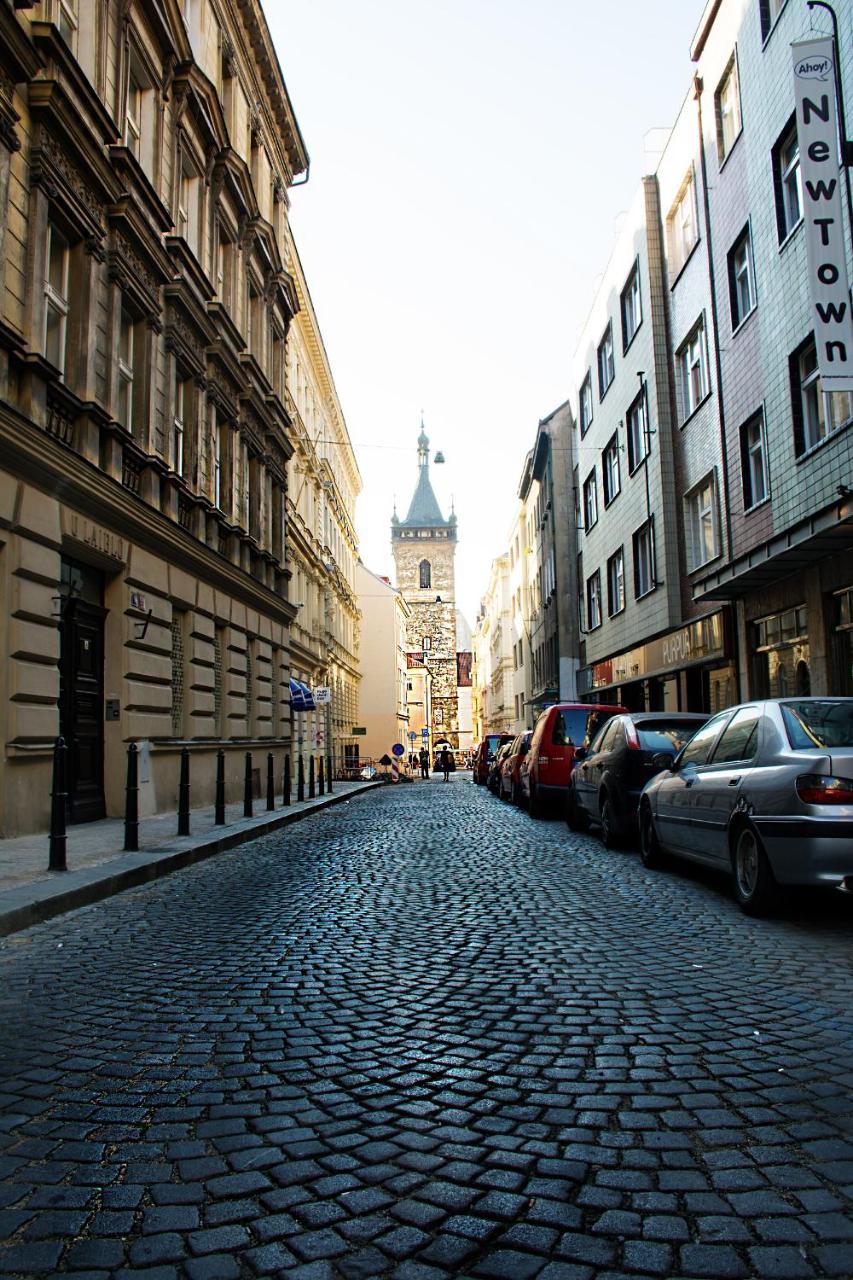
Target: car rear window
column 819, row 723
column 577, row 727
column 666, row 737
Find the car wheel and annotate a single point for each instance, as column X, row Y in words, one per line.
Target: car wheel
column 576, row 818
column 610, row 832
column 535, row 805
column 651, row 853
column 514, row 793
column 755, row 888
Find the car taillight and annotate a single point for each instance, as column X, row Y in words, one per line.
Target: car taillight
column 822, row 788
column 632, row 735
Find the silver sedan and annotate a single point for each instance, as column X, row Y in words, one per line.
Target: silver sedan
column 764, row 790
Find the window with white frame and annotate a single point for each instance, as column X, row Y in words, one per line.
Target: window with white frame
column 644, row 559
column 741, row 278
column 638, row 435
column 616, row 583
column 727, row 107
column 590, row 501
column 692, row 359
column 189, row 204
column 56, row 290
column 182, row 398
column 631, row 307
column 126, row 343
column 769, row 10
column 788, row 181
column 219, row 457
column 68, row 22
column 700, row 506
column 225, row 260
column 610, row 470
column 586, row 404
column 753, row 455
column 606, row 366
column 817, row 413
column 253, row 319
column 682, row 226
column 593, row 601
column 133, row 112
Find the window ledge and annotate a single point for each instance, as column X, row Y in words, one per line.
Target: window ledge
column 680, row 272
column 783, row 244
column 735, row 141
column 609, row 501
column 602, row 394
column 821, row 444
column 744, row 321
column 627, row 346
column 697, row 568
column 747, row 511
column 773, row 25
column 693, row 412
column 651, row 590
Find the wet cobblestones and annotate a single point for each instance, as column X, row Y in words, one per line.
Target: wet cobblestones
column 421, row 1036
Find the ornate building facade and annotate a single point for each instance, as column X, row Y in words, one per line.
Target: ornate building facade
column 424, row 549
column 146, row 426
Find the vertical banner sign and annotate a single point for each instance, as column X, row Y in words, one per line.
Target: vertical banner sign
column 817, row 134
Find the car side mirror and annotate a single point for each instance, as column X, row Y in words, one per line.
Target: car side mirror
column 580, row 753
column 663, row 760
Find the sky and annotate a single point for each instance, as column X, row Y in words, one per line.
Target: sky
column 469, row 163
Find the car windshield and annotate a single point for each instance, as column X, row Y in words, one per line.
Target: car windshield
column 819, row 723
column 667, row 737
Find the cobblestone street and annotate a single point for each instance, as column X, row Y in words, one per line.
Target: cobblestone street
column 421, row 1035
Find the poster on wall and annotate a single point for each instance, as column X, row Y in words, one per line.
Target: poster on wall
column 463, row 670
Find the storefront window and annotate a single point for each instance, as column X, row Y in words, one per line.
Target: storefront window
column 782, row 662
column 844, row 641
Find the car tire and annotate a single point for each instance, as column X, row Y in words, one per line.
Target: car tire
column 514, row 793
column 534, row 806
column 609, row 826
column 755, row 888
column 576, row 817
column 651, row 853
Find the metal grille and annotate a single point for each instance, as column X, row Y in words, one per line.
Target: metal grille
column 177, row 675
column 250, row 676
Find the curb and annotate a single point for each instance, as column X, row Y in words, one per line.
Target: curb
column 45, row 899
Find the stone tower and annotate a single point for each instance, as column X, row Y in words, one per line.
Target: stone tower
column 424, row 547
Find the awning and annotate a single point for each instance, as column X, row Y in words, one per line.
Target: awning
column 301, row 698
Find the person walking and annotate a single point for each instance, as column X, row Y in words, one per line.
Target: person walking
column 444, row 761
column 424, row 759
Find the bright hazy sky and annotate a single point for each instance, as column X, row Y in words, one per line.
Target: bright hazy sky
column 469, row 160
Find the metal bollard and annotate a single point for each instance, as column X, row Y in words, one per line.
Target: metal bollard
column 131, row 801
column 270, row 782
column 300, row 781
column 311, row 788
column 247, row 787
column 219, row 815
column 286, row 796
column 58, row 840
column 321, row 781
column 329, row 774
column 184, row 794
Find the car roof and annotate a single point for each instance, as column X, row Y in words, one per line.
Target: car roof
column 677, row 717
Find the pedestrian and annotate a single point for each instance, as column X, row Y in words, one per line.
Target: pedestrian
column 424, row 759
column 444, row 761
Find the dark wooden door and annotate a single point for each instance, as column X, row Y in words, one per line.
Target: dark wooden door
column 81, row 715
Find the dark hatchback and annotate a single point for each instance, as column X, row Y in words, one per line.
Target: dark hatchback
column 606, row 785
column 485, row 756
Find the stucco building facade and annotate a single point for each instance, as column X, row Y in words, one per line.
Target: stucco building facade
column 384, row 673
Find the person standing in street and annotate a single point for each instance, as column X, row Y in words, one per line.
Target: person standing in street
column 424, row 759
column 444, row 761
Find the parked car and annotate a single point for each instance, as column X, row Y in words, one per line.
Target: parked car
column 493, row 781
column 510, row 782
column 624, row 755
column 485, row 755
column 764, row 791
column 559, row 731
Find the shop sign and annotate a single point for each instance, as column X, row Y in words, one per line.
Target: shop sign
column 360, row 731
column 92, row 535
column 322, row 696
column 697, row 642
column 817, row 135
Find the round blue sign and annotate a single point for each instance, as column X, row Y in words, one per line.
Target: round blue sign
column 398, row 749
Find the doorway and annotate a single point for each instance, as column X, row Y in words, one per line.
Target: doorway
column 81, row 688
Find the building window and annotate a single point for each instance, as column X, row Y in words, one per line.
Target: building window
column 700, row 506
column 590, row 501
column 182, row 399
column 68, row 23
column 682, row 227
column 632, row 307
column 638, row 435
column 133, row 113
column 610, row 470
column 126, row 343
column 427, row 643
column 817, row 413
column 189, row 204
column 644, row 560
column 425, row 570
column 225, row 268
column 606, row 367
column 782, row 660
column 586, row 404
column 741, row 278
column 219, row 458
column 727, row 108
column 788, row 181
column 253, row 319
column 593, row 600
column 56, row 297
column 753, row 454
column 692, row 359
column 770, row 10
column 616, row 583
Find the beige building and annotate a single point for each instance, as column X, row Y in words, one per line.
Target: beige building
column 385, row 618
column 148, row 289
column 493, row 698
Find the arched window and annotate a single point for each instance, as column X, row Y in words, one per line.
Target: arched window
column 426, row 573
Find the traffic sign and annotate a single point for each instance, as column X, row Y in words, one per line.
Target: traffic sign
column 398, row 749
column 424, row 733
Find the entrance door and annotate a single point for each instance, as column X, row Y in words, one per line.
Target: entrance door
column 81, row 693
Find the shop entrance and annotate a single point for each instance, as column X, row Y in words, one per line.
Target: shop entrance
column 81, row 689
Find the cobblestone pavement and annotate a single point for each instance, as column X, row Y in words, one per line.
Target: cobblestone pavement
column 420, row 1036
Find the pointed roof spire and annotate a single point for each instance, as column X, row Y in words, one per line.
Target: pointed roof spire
column 424, row 508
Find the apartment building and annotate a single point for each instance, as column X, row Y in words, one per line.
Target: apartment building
column 384, row 673
column 493, row 697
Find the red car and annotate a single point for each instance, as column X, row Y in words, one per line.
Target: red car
column 510, row 782
column 549, row 762
column 486, row 753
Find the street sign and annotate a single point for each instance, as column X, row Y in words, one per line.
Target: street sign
column 322, row 696
column 359, row 732
column 413, row 736
column 424, row 733
column 398, row 749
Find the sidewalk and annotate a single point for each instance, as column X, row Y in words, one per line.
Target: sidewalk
column 98, row 868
